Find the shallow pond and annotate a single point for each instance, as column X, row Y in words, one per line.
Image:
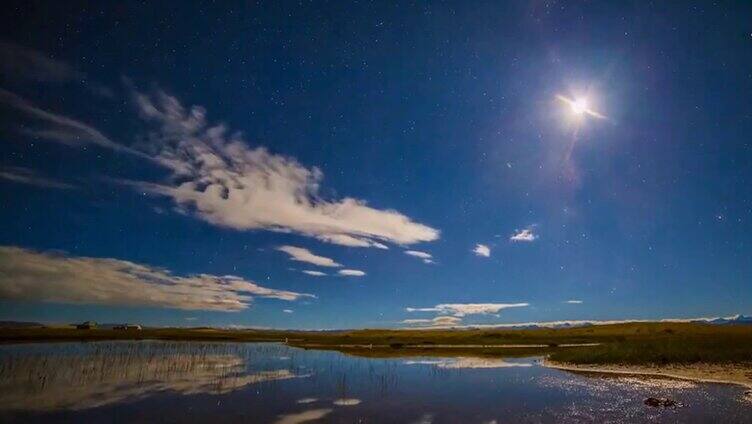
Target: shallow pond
column 151, row 381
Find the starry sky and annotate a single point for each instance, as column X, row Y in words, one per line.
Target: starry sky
column 361, row 164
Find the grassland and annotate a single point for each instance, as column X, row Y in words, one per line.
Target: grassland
column 628, row 344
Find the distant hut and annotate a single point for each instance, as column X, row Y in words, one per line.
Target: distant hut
column 88, row 325
column 135, row 327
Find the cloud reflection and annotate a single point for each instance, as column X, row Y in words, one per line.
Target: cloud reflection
column 346, row 402
column 303, row 417
column 468, row 362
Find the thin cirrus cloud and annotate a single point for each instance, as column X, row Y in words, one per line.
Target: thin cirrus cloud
column 59, row 128
column 220, row 179
column 524, row 235
column 482, row 250
column 425, row 256
column 304, row 255
column 573, row 302
column 314, row 273
column 463, row 309
column 351, row 272
column 28, row 176
column 29, row 275
column 23, row 63
column 442, row 321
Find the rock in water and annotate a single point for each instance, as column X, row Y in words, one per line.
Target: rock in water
column 660, row 402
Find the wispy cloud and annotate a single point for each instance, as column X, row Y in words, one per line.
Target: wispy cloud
column 425, row 256
column 573, row 302
column 314, row 273
column 59, row 128
column 287, row 311
column 482, row 250
column 28, row 275
column 443, row 321
column 525, row 235
column 418, row 254
column 21, row 175
column 227, row 183
column 351, row 272
column 304, row 255
column 462, row 309
column 23, row 63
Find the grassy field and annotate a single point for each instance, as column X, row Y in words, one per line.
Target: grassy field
column 633, row 343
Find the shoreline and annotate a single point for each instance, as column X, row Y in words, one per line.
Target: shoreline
column 737, row 374
column 440, row 346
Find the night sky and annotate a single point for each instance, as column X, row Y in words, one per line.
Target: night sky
column 340, row 165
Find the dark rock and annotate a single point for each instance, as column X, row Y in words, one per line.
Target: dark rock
column 660, row 402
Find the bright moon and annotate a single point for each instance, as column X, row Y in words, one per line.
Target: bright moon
column 579, row 106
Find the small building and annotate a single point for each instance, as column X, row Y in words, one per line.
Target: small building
column 135, row 327
column 88, row 325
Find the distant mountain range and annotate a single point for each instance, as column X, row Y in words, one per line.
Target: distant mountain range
column 19, row 324
column 732, row 320
column 735, row 320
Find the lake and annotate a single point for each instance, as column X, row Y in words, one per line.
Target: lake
column 151, row 381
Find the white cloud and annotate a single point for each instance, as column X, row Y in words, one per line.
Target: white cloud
column 462, row 309
column 314, row 273
column 227, row 183
column 526, row 234
column 287, row 311
column 574, row 302
column 351, row 272
column 424, row 256
column 443, row 321
column 304, row 255
column 482, row 250
column 28, row 275
column 27, row 176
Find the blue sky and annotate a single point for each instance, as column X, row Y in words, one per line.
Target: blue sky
column 199, row 165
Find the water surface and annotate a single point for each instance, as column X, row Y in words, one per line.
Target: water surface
column 150, row 381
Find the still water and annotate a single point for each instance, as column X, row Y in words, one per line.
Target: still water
column 151, row 381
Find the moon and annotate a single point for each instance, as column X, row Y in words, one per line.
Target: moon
column 580, row 107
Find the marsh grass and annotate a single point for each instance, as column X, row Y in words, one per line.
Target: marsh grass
column 632, row 343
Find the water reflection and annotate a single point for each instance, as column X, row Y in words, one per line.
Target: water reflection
column 111, row 373
column 271, row 383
